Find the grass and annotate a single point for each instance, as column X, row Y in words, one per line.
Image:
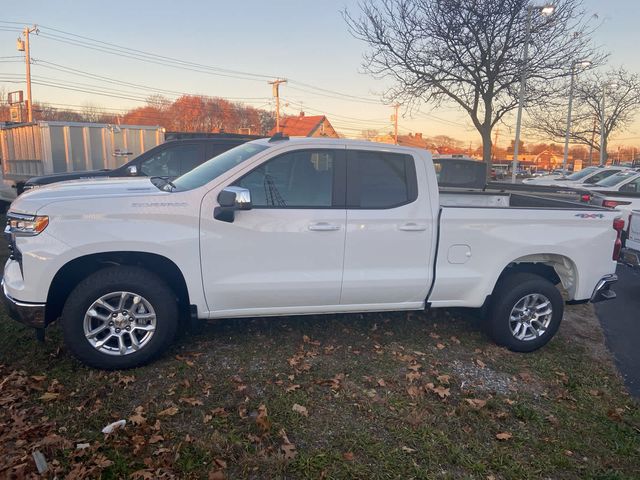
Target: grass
column 418, row 395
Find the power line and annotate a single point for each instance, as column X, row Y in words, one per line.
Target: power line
column 127, row 52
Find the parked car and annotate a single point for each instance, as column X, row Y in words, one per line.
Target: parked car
column 170, row 159
column 288, row 227
column 631, row 253
column 623, row 196
column 581, row 178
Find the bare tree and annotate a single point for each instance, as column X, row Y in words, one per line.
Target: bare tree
column 469, row 52
column 621, row 92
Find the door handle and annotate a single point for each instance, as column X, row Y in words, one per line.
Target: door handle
column 412, row 227
column 323, row 227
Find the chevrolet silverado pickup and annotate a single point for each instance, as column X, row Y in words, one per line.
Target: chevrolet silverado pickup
column 295, row 226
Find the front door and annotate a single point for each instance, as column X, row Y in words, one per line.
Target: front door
column 286, row 253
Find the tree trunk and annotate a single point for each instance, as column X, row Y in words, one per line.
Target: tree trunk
column 487, row 145
column 604, row 150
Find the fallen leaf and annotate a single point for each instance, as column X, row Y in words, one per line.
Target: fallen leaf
column 288, row 449
column 444, row 379
column 503, row 436
column 168, row 412
column 408, row 450
column 39, row 378
column 441, row 391
column 440, row 346
column 434, row 335
column 262, row 419
column 348, row 456
column 49, row 396
column 480, row 363
column 155, row 439
column 300, row 409
column 216, row 475
column 381, row 383
column 292, row 388
column 411, row 376
column 220, row 463
column 413, row 391
column 455, row 340
column 476, row 402
column 191, row 401
column 138, row 418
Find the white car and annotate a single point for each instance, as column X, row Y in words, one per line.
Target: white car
column 580, row 179
column 291, row 227
column 621, row 192
column 631, row 253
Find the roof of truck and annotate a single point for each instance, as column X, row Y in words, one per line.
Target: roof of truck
column 338, row 142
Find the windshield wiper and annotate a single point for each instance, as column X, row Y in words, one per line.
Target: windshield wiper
column 167, row 183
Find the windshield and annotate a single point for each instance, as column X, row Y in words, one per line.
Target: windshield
column 614, row 180
column 216, row 166
column 581, row 174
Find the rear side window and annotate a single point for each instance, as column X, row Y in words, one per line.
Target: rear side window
column 378, row 180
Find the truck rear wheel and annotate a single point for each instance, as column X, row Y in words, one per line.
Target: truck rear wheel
column 525, row 312
column 119, row 317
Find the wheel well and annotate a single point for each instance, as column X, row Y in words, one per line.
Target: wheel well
column 80, row 268
column 558, row 269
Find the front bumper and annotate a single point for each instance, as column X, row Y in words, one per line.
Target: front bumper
column 603, row 289
column 30, row 314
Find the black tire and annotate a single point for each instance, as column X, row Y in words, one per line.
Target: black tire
column 508, row 292
column 112, row 279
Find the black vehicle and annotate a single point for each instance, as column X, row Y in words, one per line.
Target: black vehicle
column 169, row 159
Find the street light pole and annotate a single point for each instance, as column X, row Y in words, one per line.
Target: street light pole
column 574, row 64
column 544, row 10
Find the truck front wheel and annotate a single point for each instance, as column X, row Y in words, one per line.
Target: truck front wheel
column 525, row 312
column 119, row 317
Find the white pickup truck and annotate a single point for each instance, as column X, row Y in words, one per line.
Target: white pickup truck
column 289, row 227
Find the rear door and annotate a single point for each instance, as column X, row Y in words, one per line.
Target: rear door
column 390, row 225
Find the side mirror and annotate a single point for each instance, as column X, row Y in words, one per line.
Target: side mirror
column 132, row 170
column 230, row 200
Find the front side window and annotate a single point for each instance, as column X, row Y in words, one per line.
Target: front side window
column 631, row 187
column 616, row 179
column 300, row 179
column 600, row 176
column 380, row 180
column 166, row 163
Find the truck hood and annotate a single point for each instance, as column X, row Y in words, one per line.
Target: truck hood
column 32, row 200
column 64, row 176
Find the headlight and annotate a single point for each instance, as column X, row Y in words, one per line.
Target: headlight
column 26, row 225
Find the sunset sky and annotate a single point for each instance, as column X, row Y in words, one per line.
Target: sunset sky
column 305, row 42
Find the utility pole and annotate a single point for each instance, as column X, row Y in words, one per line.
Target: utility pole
column 395, row 123
column 495, row 144
column 27, row 57
column 593, row 137
column 276, row 93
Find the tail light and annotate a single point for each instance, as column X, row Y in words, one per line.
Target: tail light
column 585, row 197
column 618, row 226
column 613, row 203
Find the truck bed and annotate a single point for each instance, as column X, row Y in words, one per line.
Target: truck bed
column 485, row 199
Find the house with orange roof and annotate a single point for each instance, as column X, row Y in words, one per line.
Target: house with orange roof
column 306, row 126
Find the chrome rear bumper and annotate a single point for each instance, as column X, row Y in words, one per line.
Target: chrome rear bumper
column 30, row 314
column 603, row 289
